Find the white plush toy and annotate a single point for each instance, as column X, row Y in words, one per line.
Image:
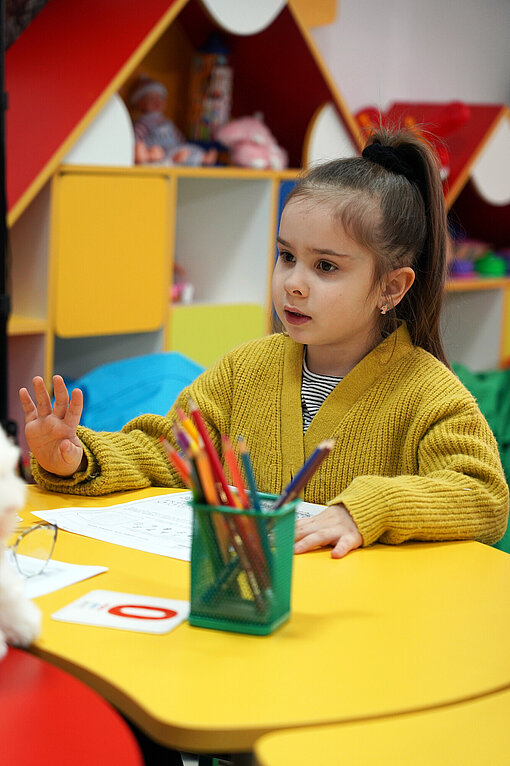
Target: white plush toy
column 20, row 619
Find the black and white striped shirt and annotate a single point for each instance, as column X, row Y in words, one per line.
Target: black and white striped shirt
column 314, row 390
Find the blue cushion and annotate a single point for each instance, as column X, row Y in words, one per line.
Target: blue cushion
column 119, row 391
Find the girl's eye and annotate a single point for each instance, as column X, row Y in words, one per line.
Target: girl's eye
column 326, row 266
column 287, row 257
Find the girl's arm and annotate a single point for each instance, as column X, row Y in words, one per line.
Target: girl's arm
column 134, row 457
column 458, row 493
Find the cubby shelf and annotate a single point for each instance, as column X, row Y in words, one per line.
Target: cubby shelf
column 25, row 325
column 473, row 284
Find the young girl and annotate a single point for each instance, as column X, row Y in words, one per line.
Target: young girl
column 357, row 287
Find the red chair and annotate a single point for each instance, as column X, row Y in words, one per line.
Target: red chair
column 47, row 717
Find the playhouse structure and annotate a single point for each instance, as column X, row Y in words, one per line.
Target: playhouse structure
column 94, row 238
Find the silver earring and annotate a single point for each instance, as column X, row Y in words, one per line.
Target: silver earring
column 384, row 308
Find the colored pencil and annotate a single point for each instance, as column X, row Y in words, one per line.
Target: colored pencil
column 247, row 524
column 211, row 452
column 235, row 473
column 189, row 476
column 187, row 424
column 248, row 470
column 177, row 461
column 206, row 477
column 305, row 473
column 183, row 439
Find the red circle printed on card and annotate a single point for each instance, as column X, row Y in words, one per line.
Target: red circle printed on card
column 121, row 610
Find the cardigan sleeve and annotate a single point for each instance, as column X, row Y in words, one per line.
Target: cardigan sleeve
column 134, row 458
column 459, row 491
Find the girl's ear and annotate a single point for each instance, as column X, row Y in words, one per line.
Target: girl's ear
column 396, row 284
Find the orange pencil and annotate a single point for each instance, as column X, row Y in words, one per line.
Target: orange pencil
column 211, row 452
column 206, row 477
column 187, row 424
column 246, row 525
column 235, row 473
column 177, row 461
column 205, row 474
column 236, row 535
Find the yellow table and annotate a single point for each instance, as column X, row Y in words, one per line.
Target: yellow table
column 384, row 631
column 473, row 733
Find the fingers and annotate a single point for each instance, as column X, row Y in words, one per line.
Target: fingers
column 345, row 544
column 28, row 405
column 333, row 526
column 316, row 539
column 73, row 415
column 42, row 397
column 61, row 397
column 67, row 409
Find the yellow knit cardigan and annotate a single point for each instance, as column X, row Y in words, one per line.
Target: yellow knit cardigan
column 414, row 458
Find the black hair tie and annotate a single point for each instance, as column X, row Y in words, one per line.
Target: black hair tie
column 390, row 159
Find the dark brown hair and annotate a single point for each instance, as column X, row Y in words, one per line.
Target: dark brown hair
column 402, row 221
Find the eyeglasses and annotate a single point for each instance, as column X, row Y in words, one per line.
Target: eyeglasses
column 33, row 548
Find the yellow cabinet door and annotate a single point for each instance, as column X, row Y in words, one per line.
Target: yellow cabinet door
column 110, row 252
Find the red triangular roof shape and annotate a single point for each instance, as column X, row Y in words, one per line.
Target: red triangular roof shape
column 65, row 64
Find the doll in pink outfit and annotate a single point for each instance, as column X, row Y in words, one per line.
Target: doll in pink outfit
column 157, row 139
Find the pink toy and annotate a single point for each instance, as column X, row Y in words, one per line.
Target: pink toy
column 251, row 144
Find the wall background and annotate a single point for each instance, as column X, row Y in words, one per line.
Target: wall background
column 411, row 50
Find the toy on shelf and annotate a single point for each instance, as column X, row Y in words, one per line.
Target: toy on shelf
column 182, row 291
column 475, row 258
column 210, row 90
column 157, row 139
column 251, row 144
column 445, row 119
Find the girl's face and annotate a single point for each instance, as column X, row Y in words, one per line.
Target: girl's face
column 323, row 290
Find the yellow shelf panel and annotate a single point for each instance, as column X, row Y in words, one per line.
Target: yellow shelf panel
column 205, row 332
column 471, row 284
column 111, row 253
column 24, row 325
column 182, row 171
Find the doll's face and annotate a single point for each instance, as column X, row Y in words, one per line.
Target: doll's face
column 152, row 102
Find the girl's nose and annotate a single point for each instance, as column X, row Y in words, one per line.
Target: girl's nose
column 295, row 284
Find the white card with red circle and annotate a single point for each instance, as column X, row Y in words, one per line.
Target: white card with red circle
column 125, row 611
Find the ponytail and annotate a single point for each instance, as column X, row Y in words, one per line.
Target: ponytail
column 391, row 200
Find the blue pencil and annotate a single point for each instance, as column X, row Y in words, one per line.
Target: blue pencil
column 305, row 473
column 250, row 478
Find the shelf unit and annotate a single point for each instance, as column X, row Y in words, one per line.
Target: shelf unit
column 93, row 247
column 95, row 287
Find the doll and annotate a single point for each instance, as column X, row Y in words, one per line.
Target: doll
column 157, row 139
column 19, row 617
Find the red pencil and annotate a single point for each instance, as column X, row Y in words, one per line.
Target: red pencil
column 211, row 452
column 177, row 461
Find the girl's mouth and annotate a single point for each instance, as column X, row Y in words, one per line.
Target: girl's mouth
column 295, row 318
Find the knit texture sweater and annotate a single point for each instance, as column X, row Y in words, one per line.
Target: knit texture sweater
column 414, row 457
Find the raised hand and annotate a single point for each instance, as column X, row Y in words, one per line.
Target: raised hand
column 51, row 431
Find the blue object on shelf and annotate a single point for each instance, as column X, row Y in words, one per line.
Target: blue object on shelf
column 117, row 392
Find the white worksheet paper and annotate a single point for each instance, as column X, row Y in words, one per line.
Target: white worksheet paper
column 161, row 524
column 56, row 575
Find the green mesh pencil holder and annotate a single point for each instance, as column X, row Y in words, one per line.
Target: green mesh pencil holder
column 241, row 567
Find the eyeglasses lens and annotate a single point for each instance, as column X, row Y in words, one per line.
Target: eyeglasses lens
column 34, row 550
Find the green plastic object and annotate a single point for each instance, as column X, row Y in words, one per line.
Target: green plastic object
column 491, row 265
column 241, row 567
